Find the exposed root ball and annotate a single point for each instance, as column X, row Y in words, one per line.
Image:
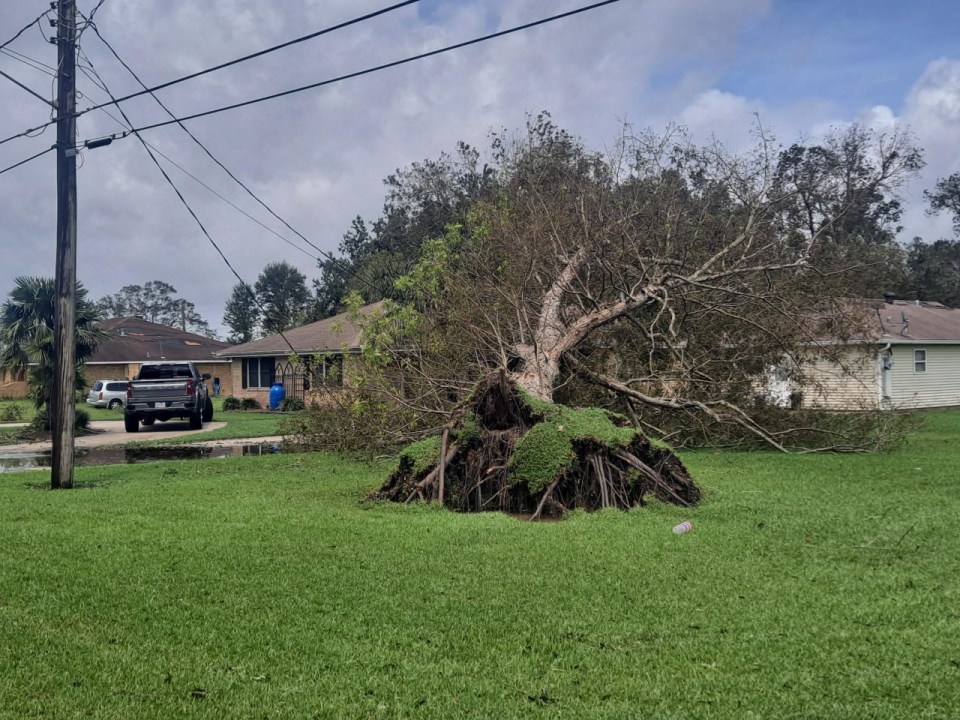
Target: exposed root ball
column 507, row 452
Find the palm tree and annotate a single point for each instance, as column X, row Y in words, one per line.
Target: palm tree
column 26, row 336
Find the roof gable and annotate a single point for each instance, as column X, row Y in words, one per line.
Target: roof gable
column 133, row 339
column 331, row 335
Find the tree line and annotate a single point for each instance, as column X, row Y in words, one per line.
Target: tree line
column 658, row 278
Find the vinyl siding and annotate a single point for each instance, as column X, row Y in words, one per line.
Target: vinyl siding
column 848, row 385
column 939, row 386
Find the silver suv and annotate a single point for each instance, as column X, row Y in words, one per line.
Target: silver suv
column 108, row 394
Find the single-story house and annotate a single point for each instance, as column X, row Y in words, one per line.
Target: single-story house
column 134, row 341
column 909, row 359
column 300, row 358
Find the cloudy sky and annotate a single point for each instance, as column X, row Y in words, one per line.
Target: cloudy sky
column 318, row 158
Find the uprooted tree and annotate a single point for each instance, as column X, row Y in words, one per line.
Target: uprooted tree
column 507, row 451
column 664, row 281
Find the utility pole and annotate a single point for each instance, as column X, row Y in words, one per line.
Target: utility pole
column 63, row 426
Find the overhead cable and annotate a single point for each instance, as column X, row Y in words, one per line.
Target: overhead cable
column 24, row 162
column 326, row 255
column 190, row 210
column 303, row 38
column 25, row 28
column 260, row 53
column 368, row 71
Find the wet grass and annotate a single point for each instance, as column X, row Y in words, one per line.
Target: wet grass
column 810, row 587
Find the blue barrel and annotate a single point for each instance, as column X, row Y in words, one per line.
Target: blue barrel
column 277, row 394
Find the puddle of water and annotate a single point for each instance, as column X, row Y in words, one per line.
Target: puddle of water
column 15, row 462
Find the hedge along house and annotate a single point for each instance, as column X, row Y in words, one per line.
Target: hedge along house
column 910, row 359
column 135, row 341
column 302, row 358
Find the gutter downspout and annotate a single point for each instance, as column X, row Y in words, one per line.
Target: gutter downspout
column 880, row 396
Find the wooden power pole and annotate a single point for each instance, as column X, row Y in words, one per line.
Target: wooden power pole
column 63, row 427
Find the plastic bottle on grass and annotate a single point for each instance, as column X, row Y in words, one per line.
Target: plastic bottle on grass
column 684, row 527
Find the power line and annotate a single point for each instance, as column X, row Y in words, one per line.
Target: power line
column 29, row 61
column 367, row 71
column 24, row 162
column 190, row 210
column 328, row 256
column 19, row 84
column 26, row 27
column 201, row 145
column 303, row 38
column 88, row 19
column 260, row 53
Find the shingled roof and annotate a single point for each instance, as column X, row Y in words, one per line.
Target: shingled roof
column 334, row 334
column 135, row 340
column 917, row 321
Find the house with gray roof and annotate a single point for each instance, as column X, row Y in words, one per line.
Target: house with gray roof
column 134, row 341
column 908, row 358
column 300, row 358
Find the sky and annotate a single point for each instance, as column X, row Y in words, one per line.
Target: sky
column 318, row 158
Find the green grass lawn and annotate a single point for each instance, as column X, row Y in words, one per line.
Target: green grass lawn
column 810, row 587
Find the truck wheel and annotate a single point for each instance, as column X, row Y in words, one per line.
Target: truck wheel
column 196, row 421
column 208, row 410
column 130, row 423
column 149, row 421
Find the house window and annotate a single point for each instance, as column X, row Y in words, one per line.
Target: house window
column 919, row 361
column 327, row 370
column 258, row 372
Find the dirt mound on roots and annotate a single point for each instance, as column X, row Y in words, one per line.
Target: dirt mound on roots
column 505, row 451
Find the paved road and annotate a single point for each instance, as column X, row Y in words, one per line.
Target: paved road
column 114, row 434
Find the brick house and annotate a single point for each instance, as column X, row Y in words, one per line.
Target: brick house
column 135, row 341
column 300, row 358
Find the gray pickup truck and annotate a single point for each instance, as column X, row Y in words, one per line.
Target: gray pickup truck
column 161, row 391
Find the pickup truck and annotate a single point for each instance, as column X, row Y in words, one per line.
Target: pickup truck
column 161, row 391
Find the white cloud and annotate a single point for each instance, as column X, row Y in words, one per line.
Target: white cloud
column 319, row 158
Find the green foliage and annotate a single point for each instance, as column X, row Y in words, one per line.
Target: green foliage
column 469, row 429
column 426, row 280
column 11, row 413
column 42, row 422
column 26, row 334
column 934, row 271
column 292, row 404
column 946, row 196
column 546, row 451
column 250, row 404
column 241, row 314
column 232, row 403
column 423, row 453
column 156, row 302
column 282, row 292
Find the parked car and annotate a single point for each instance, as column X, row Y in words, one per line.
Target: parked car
column 108, row 394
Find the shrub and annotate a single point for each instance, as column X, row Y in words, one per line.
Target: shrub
column 292, row 404
column 250, row 404
column 231, row 403
column 11, row 413
column 42, row 421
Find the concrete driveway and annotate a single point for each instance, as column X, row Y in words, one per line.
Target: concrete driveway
column 113, row 433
